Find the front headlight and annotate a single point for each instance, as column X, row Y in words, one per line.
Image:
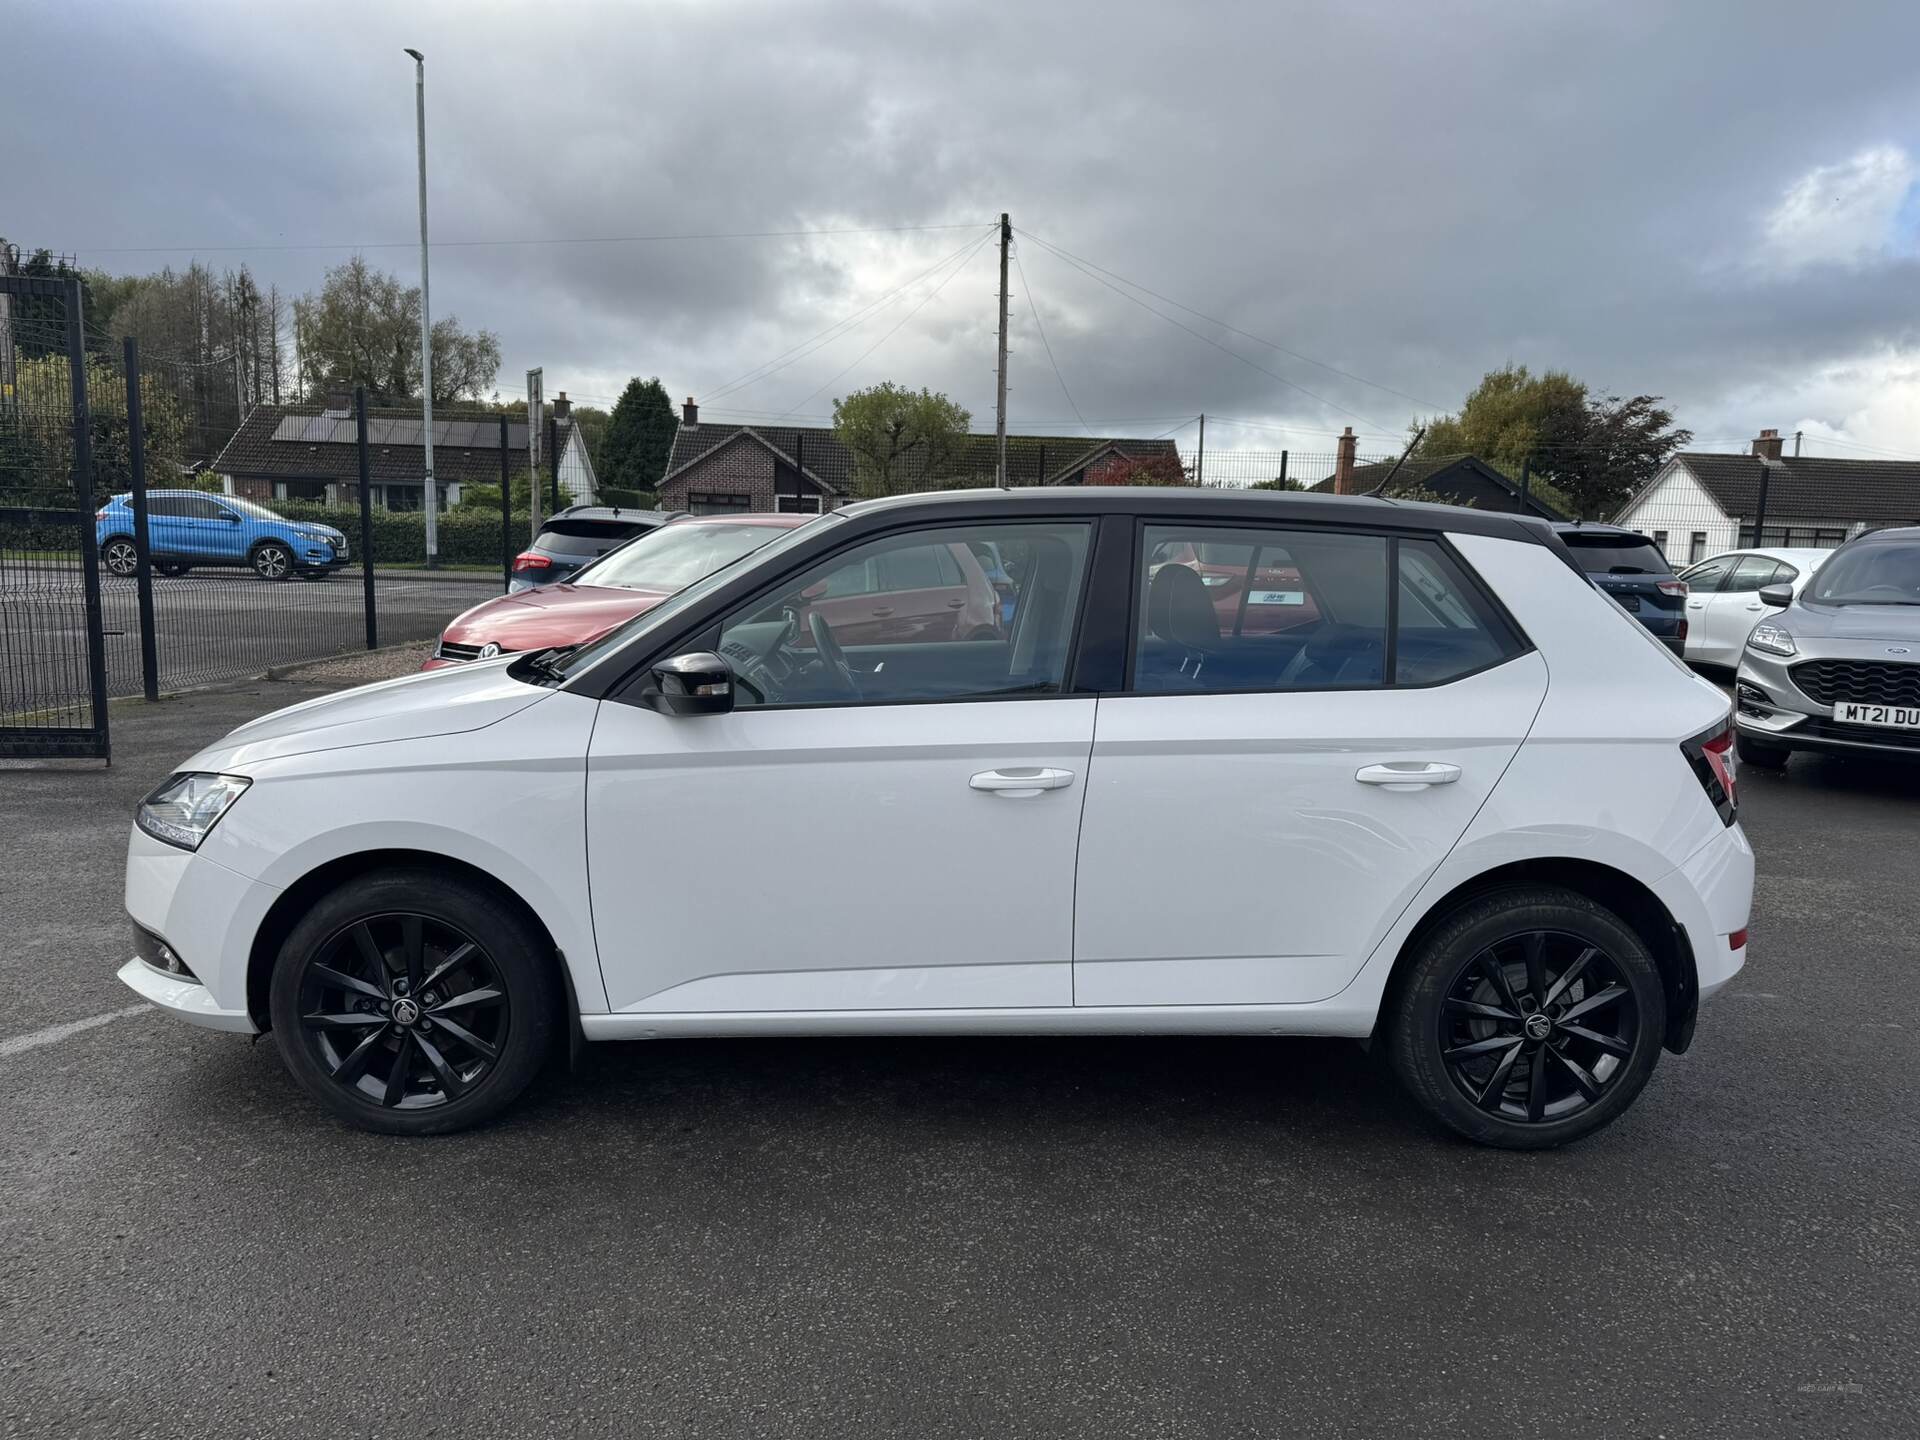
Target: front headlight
column 1773, row 639
column 186, row 808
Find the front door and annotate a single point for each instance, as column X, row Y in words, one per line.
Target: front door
column 1263, row 806
column 1703, row 584
column 1736, row 609
column 875, row 826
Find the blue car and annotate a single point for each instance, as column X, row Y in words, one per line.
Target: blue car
column 189, row 528
column 1628, row 566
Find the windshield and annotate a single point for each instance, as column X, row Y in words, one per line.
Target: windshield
column 675, row 556
column 1615, row 554
column 1884, row 573
column 587, row 654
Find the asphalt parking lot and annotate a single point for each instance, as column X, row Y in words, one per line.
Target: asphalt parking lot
column 951, row 1237
column 210, row 626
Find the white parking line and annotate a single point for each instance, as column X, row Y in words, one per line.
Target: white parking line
column 54, row 1034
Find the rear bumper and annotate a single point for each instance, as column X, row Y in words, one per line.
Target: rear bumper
column 1711, row 897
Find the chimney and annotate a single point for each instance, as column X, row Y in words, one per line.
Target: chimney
column 340, row 402
column 561, row 406
column 690, row 414
column 1767, row 447
column 1343, row 463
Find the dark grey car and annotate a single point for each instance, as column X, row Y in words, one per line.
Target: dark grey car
column 1838, row 668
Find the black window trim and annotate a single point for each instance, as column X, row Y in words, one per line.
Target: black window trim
column 705, row 634
column 1523, row 643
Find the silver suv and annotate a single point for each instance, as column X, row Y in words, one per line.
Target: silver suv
column 1838, row 669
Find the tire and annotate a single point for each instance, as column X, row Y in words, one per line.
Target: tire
column 120, row 557
column 1759, row 754
column 449, row 1063
column 272, row 561
column 1444, row 1004
column 317, row 574
column 171, row 569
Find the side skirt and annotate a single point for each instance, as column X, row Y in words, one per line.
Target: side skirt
column 1325, row 1017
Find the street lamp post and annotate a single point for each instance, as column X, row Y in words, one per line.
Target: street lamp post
column 431, row 497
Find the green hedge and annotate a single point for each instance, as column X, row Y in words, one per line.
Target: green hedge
column 467, row 537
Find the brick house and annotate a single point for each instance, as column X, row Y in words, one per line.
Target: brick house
column 1456, row 479
column 801, row 469
column 311, row 452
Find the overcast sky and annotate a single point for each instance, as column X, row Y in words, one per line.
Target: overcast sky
column 1715, row 202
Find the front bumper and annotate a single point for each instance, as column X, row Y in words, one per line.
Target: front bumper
column 185, row 998
column 1771, row 710
column 209, row 916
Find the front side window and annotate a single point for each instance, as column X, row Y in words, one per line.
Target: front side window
column 916, row 617
column 1255, row 609
column 1706, row 576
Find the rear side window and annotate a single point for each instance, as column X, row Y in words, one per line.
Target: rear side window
column 1254, row 609
column 1616, row 554
column 1445, row 626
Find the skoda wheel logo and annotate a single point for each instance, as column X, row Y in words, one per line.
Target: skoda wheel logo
column 1538, row 1027
column 489, row 650
column 405, row 1012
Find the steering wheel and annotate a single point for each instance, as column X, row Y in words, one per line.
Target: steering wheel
column 832, row 658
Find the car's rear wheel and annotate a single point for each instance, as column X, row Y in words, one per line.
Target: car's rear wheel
column 1760, row 754
column 272, row 561
column 413, row 1003
column 1529, row 1018
column 120, row 557
column 174, row 569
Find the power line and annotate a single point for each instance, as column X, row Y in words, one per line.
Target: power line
column 529, row 240
column 978, row 245
column 827, row 336
column 1248, row 334
column 1204, row 339
column 1027, row 290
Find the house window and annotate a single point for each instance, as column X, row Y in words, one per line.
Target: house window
column 1660, row 541
column 1697, row 546
column 705, row 503
column 1829, row 539
column 799, row 505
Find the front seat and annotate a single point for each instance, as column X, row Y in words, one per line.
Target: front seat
column 1180, row 614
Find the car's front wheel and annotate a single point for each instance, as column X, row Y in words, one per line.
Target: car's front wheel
column 414, row 1003
column 120, row 558
column 1760, row 754
column 1530, row 1017
column 272, row 561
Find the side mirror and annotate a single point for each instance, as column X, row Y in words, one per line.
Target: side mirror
column 1778, row 596
column 230, row 517
column 700, row 683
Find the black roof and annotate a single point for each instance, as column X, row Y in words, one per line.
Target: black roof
column 1461, row 479
column 626, row 515
column 1811, row 487
column 1581, row 527
column 307, row 442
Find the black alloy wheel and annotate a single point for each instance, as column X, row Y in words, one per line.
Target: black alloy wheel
column 1526, row 1018
column 120, row 557
column 405, row 1011
column 1536, row 1027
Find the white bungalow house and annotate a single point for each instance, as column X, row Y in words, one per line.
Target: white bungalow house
column 1701, row 504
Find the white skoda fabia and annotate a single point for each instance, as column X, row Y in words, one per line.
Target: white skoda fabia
column 1217, row 763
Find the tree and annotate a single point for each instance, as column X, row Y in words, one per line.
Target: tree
column 633, row 454
column 1156, row 469
column 895, row 435
column 1589, row 451
column 363, row 328
column 1277, row 483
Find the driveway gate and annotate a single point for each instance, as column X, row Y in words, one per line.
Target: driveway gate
column 53, row 676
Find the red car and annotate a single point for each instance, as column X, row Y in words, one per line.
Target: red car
column 1267, row 600
column 627, row 582
column 917, row 593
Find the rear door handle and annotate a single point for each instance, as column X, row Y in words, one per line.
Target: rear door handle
column 956, row 604
column 1408, row 775
column 883, row 611
column 1019, row 783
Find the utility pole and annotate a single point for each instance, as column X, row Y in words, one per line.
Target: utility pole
column 1796, row 444
column 431, row 496
column 1200, row 459
column 1000, row 404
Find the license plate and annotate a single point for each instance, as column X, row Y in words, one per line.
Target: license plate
column 1893, row 717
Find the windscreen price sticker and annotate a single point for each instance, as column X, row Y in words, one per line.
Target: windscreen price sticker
column 1276, row 597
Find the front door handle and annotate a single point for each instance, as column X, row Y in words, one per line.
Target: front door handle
column 956, row 604
column 1408, row 775
column 1019, row 783
column 883, row 612
column 1756, row 607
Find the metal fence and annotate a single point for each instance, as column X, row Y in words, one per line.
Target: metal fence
column 53, row 698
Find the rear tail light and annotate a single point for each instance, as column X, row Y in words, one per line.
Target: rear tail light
column 530, row 560
column 1671, row 587
column 1681, row 632
column 99, row 515
column 1710, row 756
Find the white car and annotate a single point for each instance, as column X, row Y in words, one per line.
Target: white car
column 1399, row 798
column 1723, row 598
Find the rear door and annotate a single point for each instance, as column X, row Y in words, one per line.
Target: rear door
column 1703, row 583
column 1735, row 609
column 1263, row 806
